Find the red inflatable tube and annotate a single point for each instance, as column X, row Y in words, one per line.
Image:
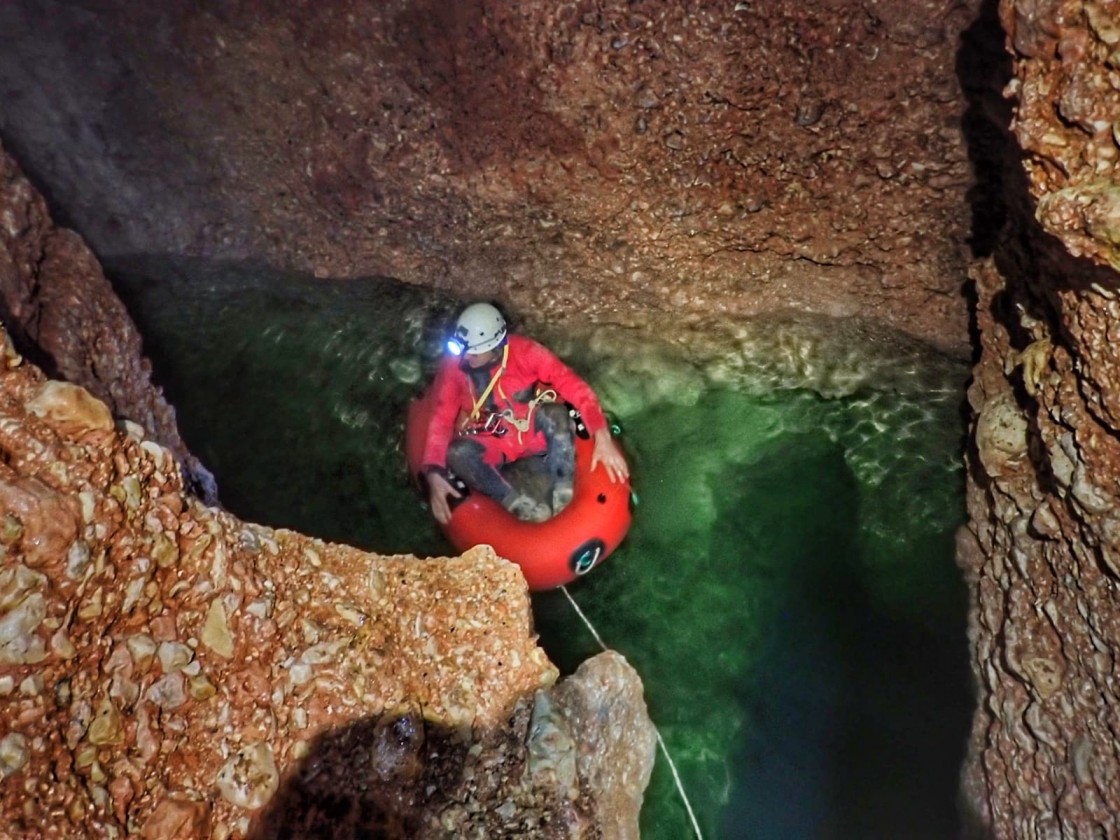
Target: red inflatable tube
column 550, row 553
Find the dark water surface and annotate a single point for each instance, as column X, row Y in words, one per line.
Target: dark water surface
column 788, row 591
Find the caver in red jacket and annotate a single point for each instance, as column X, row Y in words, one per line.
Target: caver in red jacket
column 529, row 369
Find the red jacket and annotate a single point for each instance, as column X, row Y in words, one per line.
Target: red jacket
column 528, row 365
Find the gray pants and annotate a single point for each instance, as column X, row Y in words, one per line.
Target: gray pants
column 465, row 456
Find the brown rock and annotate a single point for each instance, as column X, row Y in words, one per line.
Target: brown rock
column 63, row 314
column 45, row 520
column 177, row 818
column 69, row 409
column 615, row 740
column 391, row 699
column 1041, row 557
column 490, row 148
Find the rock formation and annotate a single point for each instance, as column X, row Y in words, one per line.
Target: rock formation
column 707, row 160
column 167, row 671
column 1042, row 553
column 62, row 311
column 648, row 163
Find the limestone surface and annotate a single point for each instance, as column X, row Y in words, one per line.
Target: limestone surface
column 168, row 671
column 1042, row 551
column 647, row 163
column 61, row 310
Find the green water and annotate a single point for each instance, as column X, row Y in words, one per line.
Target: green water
column 787, row 592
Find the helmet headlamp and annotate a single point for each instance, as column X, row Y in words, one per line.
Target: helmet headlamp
column 479, row 329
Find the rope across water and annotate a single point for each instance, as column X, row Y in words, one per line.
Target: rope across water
column 660, row 740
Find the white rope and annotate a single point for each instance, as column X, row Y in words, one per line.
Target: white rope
column 660, row 740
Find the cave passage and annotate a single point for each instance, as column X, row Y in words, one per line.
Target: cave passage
column 787, row 593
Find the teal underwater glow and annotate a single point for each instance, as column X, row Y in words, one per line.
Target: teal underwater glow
column 788, row 591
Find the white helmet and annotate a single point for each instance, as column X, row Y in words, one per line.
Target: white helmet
column 480, row 328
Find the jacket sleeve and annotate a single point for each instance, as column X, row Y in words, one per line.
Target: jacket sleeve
column 448, row 388
column 569, row 386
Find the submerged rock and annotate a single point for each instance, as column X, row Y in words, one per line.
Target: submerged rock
column 198, row 676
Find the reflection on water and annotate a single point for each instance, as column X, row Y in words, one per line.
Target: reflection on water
column 787, row 592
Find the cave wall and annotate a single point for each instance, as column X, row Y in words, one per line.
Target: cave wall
column 636, row 162
column 1042, row 552
column 61, row 309
column 651, row 162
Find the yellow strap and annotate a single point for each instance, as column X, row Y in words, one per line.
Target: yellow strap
column 477, row 410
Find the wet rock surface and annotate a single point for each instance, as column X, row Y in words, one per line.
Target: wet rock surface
column 650, row 163
column 169, row 671
column 1041, row 553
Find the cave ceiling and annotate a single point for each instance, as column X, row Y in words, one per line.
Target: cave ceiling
column 632, row 162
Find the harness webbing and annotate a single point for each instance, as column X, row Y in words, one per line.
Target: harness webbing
column 521, row 425
column 481, row 401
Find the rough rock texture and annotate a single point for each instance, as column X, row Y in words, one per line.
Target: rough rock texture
column 167, row 671
column 1042, row 553
column 63, row 313
column 654, row 162
column 650, row 162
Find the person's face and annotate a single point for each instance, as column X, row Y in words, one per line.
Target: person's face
column 477, row 360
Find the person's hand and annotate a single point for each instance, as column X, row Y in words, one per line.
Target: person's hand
column 607, row 453
column 439, row 489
